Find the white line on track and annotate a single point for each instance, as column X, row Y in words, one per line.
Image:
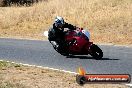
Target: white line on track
column 43, row 67
column 129, row 85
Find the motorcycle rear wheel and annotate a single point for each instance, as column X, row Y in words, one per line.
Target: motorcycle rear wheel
column 62, row 52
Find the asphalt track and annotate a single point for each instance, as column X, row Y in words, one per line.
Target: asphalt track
column 116, row 60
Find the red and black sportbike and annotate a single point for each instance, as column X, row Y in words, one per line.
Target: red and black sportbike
column 80, row 45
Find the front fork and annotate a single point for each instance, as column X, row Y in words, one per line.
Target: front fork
column 89, row 47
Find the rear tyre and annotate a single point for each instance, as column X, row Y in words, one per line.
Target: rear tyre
column 96, row 52
column 65, row 54
column 62, row 52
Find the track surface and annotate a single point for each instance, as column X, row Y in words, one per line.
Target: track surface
column 117, row 59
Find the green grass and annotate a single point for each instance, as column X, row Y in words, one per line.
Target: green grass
column 4, row 64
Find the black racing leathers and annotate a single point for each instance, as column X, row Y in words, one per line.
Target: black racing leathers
column 57, row 35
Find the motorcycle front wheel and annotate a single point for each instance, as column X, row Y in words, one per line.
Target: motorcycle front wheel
column 96, row 52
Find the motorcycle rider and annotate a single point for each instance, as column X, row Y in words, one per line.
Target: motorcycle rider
column 56, row 33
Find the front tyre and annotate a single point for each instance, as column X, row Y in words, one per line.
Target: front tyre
column 96, row 52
